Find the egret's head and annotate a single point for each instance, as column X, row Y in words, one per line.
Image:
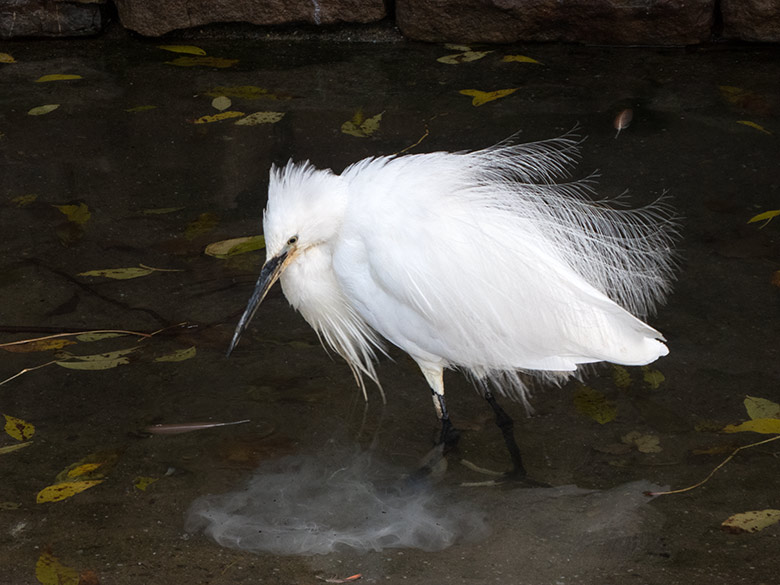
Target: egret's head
column 305, row 209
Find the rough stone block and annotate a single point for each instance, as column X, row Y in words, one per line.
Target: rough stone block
column 751, row 20
column 50, row 18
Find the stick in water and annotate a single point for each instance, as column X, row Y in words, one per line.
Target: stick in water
column 179, row 428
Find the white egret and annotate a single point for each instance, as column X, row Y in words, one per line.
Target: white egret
column 478, row 261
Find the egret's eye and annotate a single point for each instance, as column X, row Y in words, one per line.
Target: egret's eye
column 292, row 241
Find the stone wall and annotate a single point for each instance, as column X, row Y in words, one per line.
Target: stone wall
column 620, row 22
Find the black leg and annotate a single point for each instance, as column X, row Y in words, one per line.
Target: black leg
column 506, row 424
column 449, row 435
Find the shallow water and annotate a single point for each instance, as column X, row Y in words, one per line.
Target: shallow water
column 102, row 148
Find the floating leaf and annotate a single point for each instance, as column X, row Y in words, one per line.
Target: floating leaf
column 765, row 426
column 178, row 355
column 746, row 99
column 10, row 448
column 260, row 118
column 24, row 200
column 654, row 378
column 19, row 429
column 93, row 466
column 754, row 126
column 61, row 491
column 621, row 376
column 57, row 77
column 751, row 521
column 246, row 92
column 119, row 273
column 217, row 62
column 143, row 482
column 775, row 280
column 201, row 226
column 235, row 246
column 41, row 110
column 464, row 57
column 6, row 58
column 83, row 469
column 40, row 345
column 761, row 408
column 78, row 214
column 361, row 126
column 519, row 59
column 50, row 571
column 766, row 217
column 483, row 97
column 161, row 210
column 594, row 404
column 101, row 361
column 189, row 49
column 140, row 108
column 217, row 117
column 221, row 102
column 644, row 443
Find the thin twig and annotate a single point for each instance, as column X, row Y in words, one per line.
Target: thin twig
column 706, row 479
column 24, row 371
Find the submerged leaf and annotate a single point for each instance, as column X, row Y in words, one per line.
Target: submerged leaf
column 10, row 448
column 6, row 58
column 40, row 345
column 519, row 59
column 50, row 571
column 644, row 443
column 19, row 429
column 161, row 210
column 57, row 77
column 483, row 97
column 754, row 126
column 217, row 117
column 201, row 226
column 235, row 246
column 654, row 378
column 140, row 108
column 621, row 376
column 78, row 214
column 761, row 408
column 464, row 57
column 41, row 110
column 143, row 482
column 189, row 49
column 246, row 92
column 197, row 61
column 178, row 355
column 260, row 118
column 361, row 126
column 24, row 200
column 119, row 273
column 594, row 404
column 752, row 521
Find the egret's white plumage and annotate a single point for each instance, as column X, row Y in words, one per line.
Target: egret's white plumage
column 475, row 260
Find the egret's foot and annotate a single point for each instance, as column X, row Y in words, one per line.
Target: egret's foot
column 449, row 435
column 501, row 477
column 432, row 466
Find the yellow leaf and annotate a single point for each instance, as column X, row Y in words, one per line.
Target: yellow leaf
column 57, row 77
column 78, row 214
column 178, row 355
column 766, row 217
column 260, row 118
column 754, row 126
column 218, row 117
column 464, row 57
column 83, row 469
column 246, row 92
column 161, row 210
column 360, row 126
column 621, row 376
column 519, row 59
column 217, row 62
column 483, row 97
column 19, row 429
column 6, row 58
column 102, row 361
column 40, row 345
column 201, row 226
column 143, row 482
column 765, row 426
column 761, row 408
column 654, row 378
column 24, row 200
column 10, row 448
column 119, row 273
column 752, row 521
column 140, row 108
column 50, row 571
column 62, row 491
column 594, row 404
column 221, row 102
column 41, row 110
column 183, row 49
column 235, row 246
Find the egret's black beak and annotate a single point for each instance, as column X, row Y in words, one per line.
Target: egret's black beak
column 271, row 271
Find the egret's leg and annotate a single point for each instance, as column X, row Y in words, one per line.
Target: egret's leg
column 506, row 424
column 435, row 377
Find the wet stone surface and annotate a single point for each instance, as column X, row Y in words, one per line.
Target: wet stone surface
column 103, row 153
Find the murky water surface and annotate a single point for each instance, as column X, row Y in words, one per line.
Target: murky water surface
column 121, row 175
